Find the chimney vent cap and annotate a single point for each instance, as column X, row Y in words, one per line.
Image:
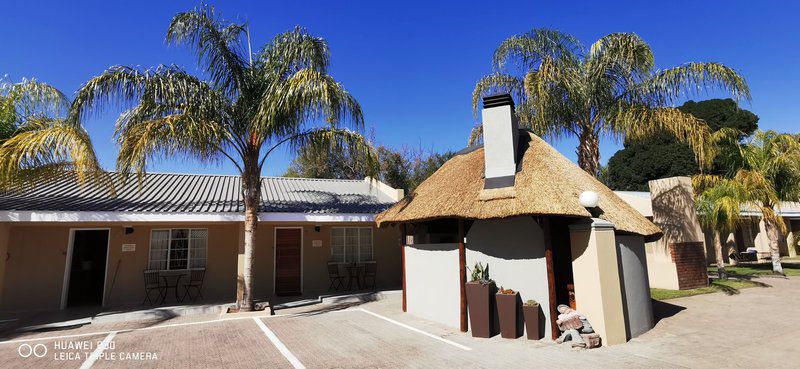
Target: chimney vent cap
column 498, row 100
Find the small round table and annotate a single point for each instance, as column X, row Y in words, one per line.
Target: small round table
column 175, row 279
column 354, row 272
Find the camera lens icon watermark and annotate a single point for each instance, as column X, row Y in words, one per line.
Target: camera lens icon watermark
column 37, row 350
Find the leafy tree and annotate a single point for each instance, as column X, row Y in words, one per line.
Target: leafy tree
column 767, row 167
column 249, row 105
column 662, row 156
column 37, row 140
column 611, row 89
column 404, row 169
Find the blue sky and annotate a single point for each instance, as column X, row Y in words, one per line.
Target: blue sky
column 412, row 66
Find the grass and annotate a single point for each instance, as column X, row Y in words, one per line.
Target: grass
column 790, row 269
column 729, row 286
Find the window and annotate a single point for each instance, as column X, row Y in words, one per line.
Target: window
column 351, row 244
column 177, row 249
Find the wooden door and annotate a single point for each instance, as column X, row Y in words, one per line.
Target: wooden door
column 288, row 259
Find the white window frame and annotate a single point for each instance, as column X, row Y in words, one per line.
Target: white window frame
column 169, row 247
column 358, row 247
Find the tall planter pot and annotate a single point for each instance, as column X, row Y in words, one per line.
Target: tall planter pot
column 480, row 308
column 531, row 313
column 508, row 311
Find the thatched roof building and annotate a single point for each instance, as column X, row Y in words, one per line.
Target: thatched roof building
column 547, row 183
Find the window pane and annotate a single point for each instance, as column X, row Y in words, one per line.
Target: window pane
column 159, row 247
column 365, row 244
column 199, row 249
column 180, row 233
column 337, row 245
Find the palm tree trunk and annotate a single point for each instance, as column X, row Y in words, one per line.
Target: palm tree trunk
column 251, row 188
column 589, row 151
column 774, row 234
column 718, row 251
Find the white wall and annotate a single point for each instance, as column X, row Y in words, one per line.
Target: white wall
column 432, row 282
column 514, row 250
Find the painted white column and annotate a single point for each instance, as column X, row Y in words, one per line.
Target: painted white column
column 595, row 270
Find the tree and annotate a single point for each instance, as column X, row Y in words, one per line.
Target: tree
column 719, row 203
column 328, row 164
column 662, row 156
column 767, row 167
column 613, row 89
column 37, row 141
column 249, row 105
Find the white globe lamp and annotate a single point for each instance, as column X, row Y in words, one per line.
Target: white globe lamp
column 589, row 199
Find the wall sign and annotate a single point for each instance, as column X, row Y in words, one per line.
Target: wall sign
column 316, row 243
column 128, row 247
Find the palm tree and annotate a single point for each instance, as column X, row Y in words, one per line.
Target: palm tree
column 767, row 166
column 36, row 138
column 610, row 90
column 249, row 105
column 719, row 202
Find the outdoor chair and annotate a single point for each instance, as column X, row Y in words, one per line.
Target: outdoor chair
column 152, row 282
column 370, row 272
column 337, row 280
column 196, row 277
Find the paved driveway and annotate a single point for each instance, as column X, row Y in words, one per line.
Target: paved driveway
column 701, row 331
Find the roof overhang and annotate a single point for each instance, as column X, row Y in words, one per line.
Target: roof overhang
column 122, row 216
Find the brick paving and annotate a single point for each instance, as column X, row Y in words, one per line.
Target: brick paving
column 703, row 331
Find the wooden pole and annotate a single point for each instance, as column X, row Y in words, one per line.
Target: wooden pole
column 402, row 243
column 462, row 274
column 551, row 278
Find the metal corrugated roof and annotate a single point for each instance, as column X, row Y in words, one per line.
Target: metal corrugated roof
column 198, row 193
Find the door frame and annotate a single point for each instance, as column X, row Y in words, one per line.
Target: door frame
column 68, row 264
column 275, row 257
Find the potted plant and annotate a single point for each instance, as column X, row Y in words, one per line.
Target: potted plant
column 479, row 290
column 530, row 310
column 508, row 313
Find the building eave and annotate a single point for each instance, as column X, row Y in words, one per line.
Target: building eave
column 119, row 216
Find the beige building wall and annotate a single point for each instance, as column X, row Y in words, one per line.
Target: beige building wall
column 385, row 249
column 596, row 275
column 4, row 233
column 33, row 277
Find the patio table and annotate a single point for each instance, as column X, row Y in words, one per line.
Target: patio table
column 171, row 280
column 354, row 273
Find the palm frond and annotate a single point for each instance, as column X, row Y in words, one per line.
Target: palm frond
column 30, row 98
column 218, row 45
column 531, row 48
column 497, row 83
column 47, row 147
column 673, row 84
column 294, row 50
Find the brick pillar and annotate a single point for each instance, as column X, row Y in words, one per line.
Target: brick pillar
column 598, row 292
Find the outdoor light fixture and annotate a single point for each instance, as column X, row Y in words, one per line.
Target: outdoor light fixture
column 128, row 230
column 317, row 227
column 589, row 199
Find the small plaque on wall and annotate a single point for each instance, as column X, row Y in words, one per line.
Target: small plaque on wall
column 409, row 239
column 316, row 243
column 129, row 247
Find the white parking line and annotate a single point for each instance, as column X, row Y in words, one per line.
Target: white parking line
column 279, row 345
column 97, row 351
column 416, row 330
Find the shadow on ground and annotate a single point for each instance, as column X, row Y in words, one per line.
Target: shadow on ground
column 663, row 310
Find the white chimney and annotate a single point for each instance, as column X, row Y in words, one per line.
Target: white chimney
column 500, row 137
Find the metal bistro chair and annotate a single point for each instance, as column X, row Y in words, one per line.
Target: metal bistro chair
column 152, row 282
column 337, row 280
column 370, row 272
column 196, row 277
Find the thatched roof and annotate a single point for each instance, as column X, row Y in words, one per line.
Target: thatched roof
column 547, row 184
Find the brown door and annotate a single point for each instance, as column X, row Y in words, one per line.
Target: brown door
column 287, row 261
